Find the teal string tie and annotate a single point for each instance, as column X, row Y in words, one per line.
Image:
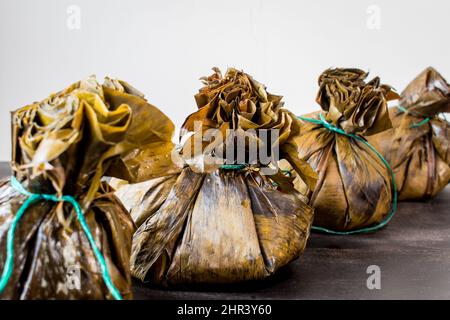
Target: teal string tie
column 32, row 198
column 414, row 125
column 232, row 167
column 287, row 173
column 388, row 218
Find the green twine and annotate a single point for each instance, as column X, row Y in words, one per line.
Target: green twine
column 232, row 167
column 32, row 198
column 414, row 125
column 287, row 173
column 419, row 124
column 380, row 225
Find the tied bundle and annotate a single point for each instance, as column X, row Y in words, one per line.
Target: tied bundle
column 218, row 219
column 63, row 233
column 417, row 146
column 354, row 189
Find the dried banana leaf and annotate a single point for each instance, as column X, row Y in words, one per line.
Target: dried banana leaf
column 64, row 145
column 354, row 186
column 236, row 101
column 417, row 146
column 207, row 224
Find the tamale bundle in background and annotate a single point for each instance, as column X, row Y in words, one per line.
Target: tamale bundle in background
column 64, row 145
column 418, row 145
column 207, row 224
column 354, row 187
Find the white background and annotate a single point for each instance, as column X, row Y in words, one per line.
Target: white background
column 163, row 47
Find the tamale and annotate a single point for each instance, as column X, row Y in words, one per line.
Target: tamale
column 63, row 146
column 417, row 146
column 218, row 223
column 354, row 188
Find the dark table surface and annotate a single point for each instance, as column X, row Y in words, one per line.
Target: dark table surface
column 413, row 254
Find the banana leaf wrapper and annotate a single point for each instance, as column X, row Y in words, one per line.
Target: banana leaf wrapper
column 354, row 188
column 64, row 145
column 418, row 150
column 207, row 225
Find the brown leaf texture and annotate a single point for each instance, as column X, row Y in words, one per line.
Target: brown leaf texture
column 427, row 95
column 219, row 227
column 354, row 186
column 211, row 225
column 419, row 154
column 64, row 145
column 353, row 104
column 237, row 101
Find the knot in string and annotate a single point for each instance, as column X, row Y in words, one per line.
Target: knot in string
column 32, row 198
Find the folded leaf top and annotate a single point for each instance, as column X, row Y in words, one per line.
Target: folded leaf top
column 427, row 95
column 63, row 143
column 353, row 104
column 237, row 101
